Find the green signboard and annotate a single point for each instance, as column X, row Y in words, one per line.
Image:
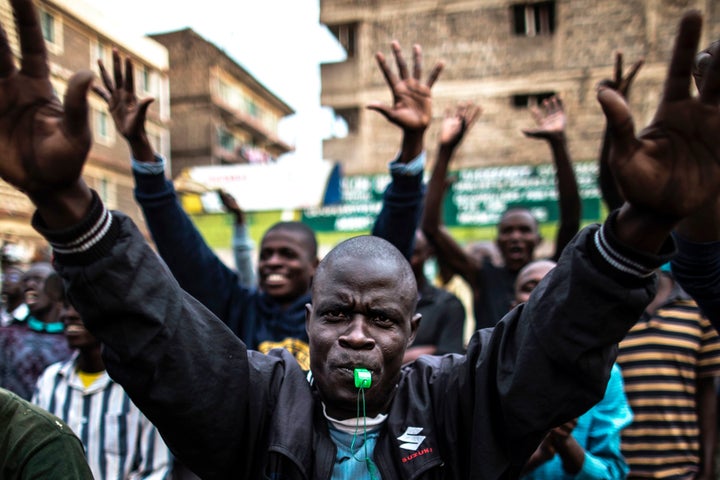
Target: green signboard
column 476, row 199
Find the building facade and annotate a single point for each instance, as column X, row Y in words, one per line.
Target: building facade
column 222, row 115
column 504, row 55
column 77, row 36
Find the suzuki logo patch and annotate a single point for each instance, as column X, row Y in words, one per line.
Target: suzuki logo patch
column 411, row 438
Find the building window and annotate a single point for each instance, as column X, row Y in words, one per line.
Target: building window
column 231, row 96
column 346, row 35
column 102, row 124
column 104, row 191
column 226, row 140
column 525, row 100
column 47, row 23
column 107, row 191
column 148, row 81
column 103, row 131
column 531, row 19
column 251, row 107
column 51, row 30
column 351, row 118
column 103, row 52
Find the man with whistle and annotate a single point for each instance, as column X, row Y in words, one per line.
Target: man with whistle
column 228, row 412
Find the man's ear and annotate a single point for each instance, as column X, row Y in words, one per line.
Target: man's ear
column 414, row 324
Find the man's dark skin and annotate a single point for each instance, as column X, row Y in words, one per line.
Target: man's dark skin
column 551, row 121
column 621, row 83
column 664, row 175
column 89, row 348
column 362, row 316
column 40, row 304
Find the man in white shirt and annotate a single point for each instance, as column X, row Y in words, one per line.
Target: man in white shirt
column 120, row 442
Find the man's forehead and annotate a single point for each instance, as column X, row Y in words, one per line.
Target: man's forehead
column 534, row 271
column 357, row 271
column 517, row 216
column 284, row 235
column 368, row 288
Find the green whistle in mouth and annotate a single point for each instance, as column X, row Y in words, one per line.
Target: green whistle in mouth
column 363, row 378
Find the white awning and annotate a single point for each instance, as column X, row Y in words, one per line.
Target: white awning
column 274, row 186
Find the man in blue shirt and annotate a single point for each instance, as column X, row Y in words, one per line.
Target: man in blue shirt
column 586, row 448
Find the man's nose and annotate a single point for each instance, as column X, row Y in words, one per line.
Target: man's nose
column 274, row 259
column 357, row 336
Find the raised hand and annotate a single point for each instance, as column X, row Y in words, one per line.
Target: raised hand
column 127, row 111
column 457, row 124
column 623, row 83
column 562, row 433
column 231, row 205
column 673, row 167
column 411, row 109
column 44, row 144
column 610, row 194
column 550, row 119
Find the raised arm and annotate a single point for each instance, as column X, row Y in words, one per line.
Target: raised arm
column 608, row 188
column 697, row 265
column 448, row 251
column 44, row 143
column 195, row 266
column 551, row 121
column 149, row 326
column 672, row 168
column 411, row 110
column 241, row 243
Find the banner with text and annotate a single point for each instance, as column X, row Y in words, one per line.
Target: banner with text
column 478, row 197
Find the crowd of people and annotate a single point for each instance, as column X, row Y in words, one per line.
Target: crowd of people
column 120, row 360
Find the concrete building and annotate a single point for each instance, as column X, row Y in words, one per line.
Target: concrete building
column 504, row 55
column 77, row 35
column 221, row 113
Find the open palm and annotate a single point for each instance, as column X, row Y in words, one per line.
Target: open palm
column 672, row 168
column 44, row 145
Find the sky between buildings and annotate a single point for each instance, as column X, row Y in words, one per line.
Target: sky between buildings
column 280, row 42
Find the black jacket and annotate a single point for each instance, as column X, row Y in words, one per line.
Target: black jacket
column 232, row 413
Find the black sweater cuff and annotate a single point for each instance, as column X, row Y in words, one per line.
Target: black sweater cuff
column 611, row 253
column 85, row 242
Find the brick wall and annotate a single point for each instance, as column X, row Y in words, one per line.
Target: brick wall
column 487, row 63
